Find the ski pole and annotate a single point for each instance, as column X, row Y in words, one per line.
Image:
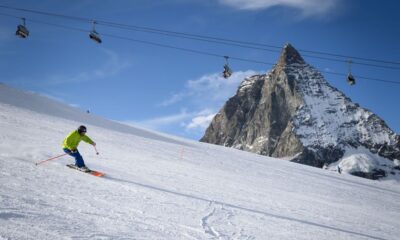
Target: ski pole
column 97, row 153
column 50, row 159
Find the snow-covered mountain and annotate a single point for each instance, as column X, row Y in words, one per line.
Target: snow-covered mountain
column 292, row 112
column 163, row 187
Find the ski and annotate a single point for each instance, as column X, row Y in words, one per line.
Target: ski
column 91, row 172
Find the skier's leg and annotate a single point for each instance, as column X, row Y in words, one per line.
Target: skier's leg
column 78, row 157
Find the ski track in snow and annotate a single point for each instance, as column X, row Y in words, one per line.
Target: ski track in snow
column 151, row 191
column 206, row 226
column 210, row 230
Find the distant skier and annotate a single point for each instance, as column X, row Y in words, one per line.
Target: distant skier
column 339, row 169
column 70, row 146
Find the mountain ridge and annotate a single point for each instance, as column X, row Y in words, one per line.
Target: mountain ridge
column 292, row 111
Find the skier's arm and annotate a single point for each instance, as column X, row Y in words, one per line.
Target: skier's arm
column 88, row 140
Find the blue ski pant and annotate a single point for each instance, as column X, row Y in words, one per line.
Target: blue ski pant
column 78, row 157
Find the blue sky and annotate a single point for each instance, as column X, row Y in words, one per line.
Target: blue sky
column 178, row 92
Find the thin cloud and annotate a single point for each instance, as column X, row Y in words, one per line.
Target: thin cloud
column 208, row 91
column 161, row 122
column 173, row 99
column 58, row 99
column 201, row 121
column 204, row 96
column 191, row 122
column 308, row 7
column 112, row 67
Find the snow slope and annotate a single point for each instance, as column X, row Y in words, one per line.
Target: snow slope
column 160, row 187
column 40, row 104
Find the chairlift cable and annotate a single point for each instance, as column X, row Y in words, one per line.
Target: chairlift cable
column 205, row 38
column 237, row 44
column 194, row 51
column 9, row 15
column 231, row 57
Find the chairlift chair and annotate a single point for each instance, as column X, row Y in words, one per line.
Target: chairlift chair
column 22, row 31
column 227, row 70
column 94, row 35
column 350, row 79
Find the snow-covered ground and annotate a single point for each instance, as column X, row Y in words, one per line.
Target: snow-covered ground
column 162, row 187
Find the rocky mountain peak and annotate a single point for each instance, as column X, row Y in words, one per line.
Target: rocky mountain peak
column 290, row 55
column 292, row 112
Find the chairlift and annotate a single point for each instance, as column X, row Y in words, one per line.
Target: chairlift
column 94, row 35
column 227, row 70
column 22, row 31
column 350, row 79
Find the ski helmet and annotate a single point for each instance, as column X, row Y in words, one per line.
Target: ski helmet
column 81, row 129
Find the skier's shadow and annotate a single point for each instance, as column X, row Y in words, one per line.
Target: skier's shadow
column 243, row 208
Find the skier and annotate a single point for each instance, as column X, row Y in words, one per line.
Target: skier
column 70, row 146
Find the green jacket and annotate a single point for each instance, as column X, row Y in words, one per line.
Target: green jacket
column 71, row 142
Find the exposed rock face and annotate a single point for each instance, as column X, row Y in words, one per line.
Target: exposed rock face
column 293, row 112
